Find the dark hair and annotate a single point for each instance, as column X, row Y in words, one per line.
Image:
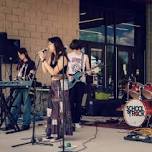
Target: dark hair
column 59, row 47
column 75, row 44
column 24, row 51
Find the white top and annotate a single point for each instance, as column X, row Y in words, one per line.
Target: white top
column 76, row 63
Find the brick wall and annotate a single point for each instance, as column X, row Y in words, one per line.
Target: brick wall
column 149, row 43
column 33, row 21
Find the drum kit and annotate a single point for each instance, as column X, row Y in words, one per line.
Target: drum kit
column 138, row 108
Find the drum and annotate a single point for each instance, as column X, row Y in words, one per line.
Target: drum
column 135, row 112
column 147, row 91
column 134, row 90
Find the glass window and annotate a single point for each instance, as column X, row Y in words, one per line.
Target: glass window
column 123, row 58
column 110, row 34
column 97, row 63
column 125, row 34
column 96, row 56
column 110, row 64
column 93, row 34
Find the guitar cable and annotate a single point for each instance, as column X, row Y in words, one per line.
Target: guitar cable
column 88, row 140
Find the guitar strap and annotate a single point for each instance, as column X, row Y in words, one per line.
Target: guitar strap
column 77, row 76
column 82, row 60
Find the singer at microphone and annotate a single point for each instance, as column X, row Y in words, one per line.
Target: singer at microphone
column 44, row 50
column 42, row 54
column 55, row 65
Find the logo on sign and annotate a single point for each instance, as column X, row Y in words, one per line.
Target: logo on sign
column 134, row 111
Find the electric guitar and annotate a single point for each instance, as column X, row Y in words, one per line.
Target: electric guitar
column 78, row 75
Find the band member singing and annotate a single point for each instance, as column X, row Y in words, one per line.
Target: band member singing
column 26, row 70
column 78, row 63
column 56, row 66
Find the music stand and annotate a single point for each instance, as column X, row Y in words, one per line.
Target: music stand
column 33, row 140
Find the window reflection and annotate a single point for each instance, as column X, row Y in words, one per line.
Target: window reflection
column 92, row 34
column 125, row 34
column 97, row 63
column 110, row 34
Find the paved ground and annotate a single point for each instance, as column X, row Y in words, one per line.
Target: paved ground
column 107, row 140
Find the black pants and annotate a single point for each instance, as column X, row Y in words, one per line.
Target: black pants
column 75, row 95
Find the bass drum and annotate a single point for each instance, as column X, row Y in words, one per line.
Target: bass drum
column 135, row 112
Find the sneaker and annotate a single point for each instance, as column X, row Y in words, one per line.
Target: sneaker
column 50, row 139
column 77, row 125
column 25, row 127
column 56, row 139
column 45, row 139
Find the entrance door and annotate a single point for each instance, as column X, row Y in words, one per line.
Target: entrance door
column 125, row 66
column 119, row 66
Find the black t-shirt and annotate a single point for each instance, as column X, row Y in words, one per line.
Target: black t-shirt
column 54, row 62
column 26, row 70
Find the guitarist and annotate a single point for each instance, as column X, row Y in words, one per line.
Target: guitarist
column 78, row 63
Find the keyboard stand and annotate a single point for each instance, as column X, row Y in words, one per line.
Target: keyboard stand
column 4, row 104
column 5, row 113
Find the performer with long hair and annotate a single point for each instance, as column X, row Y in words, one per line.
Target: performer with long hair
column 26, row 70
column 55, row 68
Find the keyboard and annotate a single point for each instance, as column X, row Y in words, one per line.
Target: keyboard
column 15, row 84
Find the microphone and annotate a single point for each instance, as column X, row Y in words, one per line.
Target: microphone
column 44, row 50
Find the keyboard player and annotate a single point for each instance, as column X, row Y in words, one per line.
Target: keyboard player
column 26, row 70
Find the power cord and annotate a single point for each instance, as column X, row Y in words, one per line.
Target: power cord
column 90, row 139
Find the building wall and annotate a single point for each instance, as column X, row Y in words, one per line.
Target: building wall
column 149, row 43
column 33, row 21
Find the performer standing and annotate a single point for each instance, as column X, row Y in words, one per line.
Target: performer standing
column 78, row 63
column 54, row 66
column 26, row 70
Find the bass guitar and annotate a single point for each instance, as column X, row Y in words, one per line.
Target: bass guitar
column 78, row 75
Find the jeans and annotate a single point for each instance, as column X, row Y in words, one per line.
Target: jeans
column 75, row 95
column 21, row 96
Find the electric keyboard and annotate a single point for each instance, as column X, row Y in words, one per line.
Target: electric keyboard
column 15, row 84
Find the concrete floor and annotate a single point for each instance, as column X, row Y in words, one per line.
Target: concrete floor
column 107, row 140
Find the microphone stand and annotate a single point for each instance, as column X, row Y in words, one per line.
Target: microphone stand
column 33, row 139
column 11, row 78
column 128, row 88
column 63, row 100
column 10, row 74
column 63, row 119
